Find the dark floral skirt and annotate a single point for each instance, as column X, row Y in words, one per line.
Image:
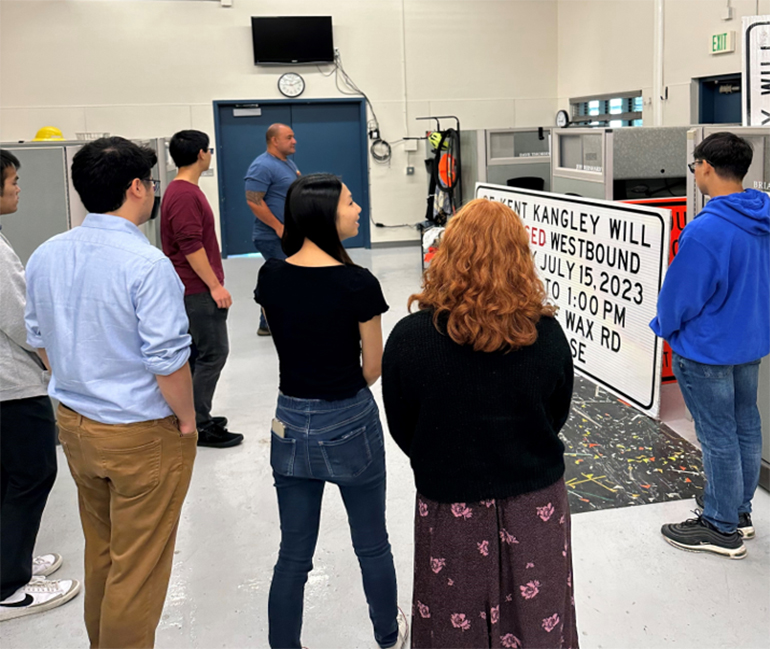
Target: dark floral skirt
column 494, row 573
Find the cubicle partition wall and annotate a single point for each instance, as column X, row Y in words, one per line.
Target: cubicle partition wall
column 649, row 163
column 49, row 203
column 620, row 164
column 582, row 162
column 518, row 157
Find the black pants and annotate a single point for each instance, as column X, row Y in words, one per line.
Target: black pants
column 27, row 474
column 208, row 328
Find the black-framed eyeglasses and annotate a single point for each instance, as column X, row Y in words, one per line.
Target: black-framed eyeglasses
column 155, row 183
column 691, row 165
column 211, row 150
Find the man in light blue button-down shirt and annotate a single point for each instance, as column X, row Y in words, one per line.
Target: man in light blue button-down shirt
column 105, row 310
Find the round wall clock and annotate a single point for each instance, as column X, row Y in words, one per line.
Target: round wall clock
column 562, row 119
column 291, row 84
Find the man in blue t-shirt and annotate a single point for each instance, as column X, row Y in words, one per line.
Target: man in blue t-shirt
column 267, row 181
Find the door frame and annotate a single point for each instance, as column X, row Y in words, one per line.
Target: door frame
column 255, row 103
column 699, row 82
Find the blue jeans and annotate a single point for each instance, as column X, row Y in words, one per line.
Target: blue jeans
column 339, row 442
column 723, row 403
column 269, row 249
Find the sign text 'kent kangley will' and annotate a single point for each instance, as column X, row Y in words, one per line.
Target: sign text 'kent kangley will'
column 603, row 264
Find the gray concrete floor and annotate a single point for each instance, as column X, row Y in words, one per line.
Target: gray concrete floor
column 632, row 589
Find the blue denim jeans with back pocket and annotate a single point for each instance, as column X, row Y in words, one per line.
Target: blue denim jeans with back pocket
column 339, row 442
column 723, row 403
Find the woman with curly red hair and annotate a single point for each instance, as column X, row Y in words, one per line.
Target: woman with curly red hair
column 477, row 384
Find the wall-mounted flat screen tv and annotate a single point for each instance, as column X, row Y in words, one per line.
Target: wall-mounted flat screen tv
column 292, row 39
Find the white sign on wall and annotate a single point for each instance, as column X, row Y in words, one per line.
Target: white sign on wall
column 756, row 71
column 603, row 264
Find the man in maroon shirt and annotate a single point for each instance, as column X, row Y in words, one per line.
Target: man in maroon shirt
column 189, row 240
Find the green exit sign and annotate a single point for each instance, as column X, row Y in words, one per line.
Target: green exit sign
column 723, row 43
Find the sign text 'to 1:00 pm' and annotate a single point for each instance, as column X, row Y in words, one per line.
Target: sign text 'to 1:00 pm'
column 603, row 265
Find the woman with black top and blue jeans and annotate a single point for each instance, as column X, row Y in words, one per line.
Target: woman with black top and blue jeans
column 324, row 314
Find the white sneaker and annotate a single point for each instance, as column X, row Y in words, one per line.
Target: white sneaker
column 403, row 631
column 46, row 564
column 38, row 595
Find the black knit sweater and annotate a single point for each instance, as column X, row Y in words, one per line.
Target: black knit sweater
column 477, row 425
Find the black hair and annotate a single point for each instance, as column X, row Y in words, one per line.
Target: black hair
column 103, row 170
column 729, row 154
column 7, row 161
column 185, row 146
column 311, row 213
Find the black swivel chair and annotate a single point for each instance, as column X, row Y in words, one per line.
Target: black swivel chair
column 527, row 182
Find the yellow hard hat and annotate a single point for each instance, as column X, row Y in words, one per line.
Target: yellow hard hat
column 48, row 133
column 435, row 141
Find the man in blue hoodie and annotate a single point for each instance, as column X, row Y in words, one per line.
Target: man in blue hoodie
column 714, row 311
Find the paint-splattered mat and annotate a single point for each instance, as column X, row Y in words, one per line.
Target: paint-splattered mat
column 617, row 457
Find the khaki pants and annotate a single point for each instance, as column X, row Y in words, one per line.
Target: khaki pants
column 132, row 480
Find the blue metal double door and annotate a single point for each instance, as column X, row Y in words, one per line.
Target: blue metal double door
column 331, row 137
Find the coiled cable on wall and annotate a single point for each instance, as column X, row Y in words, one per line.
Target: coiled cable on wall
column 379, row 149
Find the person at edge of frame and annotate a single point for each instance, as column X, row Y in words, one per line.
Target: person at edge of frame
column 27, row 439
column 714, row 311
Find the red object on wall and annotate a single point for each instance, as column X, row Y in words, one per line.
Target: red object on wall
column 678, row 207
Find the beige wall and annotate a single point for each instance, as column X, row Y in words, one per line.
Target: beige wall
column 604, row 46
column 689, row 26
column 149, row 68
column 152, row 67
column 608, row 46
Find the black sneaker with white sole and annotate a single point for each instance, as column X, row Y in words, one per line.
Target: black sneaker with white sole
column 217, row 436
column 698, row 535
column 745, row 526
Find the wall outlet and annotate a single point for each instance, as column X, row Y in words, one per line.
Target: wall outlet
column 410, row 171
column 208, row 172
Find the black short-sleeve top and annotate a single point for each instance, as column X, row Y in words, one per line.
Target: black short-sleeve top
column 313, row 314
